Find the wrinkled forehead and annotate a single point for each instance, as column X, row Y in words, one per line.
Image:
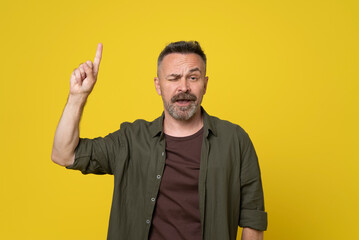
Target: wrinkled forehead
column 181, row 63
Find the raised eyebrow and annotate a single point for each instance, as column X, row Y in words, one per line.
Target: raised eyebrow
column 194, row 70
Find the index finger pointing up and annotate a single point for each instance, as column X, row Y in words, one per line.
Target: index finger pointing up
column 97, row 59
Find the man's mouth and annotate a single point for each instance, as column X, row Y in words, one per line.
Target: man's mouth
column 183, row 102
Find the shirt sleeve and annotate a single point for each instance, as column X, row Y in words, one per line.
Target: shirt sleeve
column 97, row 156
column 252, row 214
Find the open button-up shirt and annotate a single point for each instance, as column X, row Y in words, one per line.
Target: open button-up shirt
column 229, row 187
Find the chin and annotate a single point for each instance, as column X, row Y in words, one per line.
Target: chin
column 184, row 115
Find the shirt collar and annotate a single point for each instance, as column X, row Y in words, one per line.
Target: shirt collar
column 157, row 126
column 208, row 125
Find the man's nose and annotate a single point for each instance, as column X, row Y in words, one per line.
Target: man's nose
column 184, row 85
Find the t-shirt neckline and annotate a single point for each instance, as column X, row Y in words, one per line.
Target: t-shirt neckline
column 173, row 138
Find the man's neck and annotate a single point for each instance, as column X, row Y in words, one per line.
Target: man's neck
column 182, row 128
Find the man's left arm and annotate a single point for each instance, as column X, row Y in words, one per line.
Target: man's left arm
column 252, row 213
column 251, row 234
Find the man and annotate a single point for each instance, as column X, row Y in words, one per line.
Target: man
column 186, row 175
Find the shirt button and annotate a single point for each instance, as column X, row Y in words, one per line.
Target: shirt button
column 153, row 199
column 148, row 221
column 158, row 176
column 163, row 153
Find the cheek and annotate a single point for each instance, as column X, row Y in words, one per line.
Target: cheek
column 201, row 90
column 165, row 95
column 167, row 90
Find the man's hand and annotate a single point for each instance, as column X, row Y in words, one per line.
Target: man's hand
column 84, row 77
column 66, row 137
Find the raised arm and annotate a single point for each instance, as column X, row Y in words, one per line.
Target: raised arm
column 66, row 138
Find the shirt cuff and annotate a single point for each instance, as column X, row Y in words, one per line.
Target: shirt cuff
column 82, row 155
column 254, row 219
column 75, row 165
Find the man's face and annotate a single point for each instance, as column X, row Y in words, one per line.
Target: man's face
column 182, row 83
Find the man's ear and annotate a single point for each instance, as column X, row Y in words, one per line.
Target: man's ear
column 205, row 84
column 157, row 85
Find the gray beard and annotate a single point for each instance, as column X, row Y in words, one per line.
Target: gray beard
column 181, row 113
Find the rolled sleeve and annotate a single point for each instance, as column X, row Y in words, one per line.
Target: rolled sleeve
column 96, row 156
column 255, row 219
column 252, row 212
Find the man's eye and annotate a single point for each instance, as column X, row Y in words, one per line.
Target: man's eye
column 193, row 78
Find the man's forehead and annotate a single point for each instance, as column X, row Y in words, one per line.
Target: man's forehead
column 178, row 61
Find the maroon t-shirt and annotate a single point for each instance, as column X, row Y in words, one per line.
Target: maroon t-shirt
column 176, row 215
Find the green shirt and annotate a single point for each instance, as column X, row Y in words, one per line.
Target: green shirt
column 229, row 187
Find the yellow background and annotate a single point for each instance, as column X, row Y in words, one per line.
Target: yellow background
column 286, row 71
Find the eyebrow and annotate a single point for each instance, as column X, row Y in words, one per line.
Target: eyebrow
column 175, row 75
column 194, row 70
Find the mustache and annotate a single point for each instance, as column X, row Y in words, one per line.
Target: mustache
column 183, row 96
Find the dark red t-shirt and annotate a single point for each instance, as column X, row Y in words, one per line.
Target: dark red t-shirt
column 177, row 215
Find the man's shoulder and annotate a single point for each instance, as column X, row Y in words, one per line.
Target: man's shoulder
column 138, row 123
column 226, row 127
column 141, row 126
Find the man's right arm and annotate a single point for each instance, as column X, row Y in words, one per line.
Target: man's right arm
column 66, row 137
column 67, row 132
